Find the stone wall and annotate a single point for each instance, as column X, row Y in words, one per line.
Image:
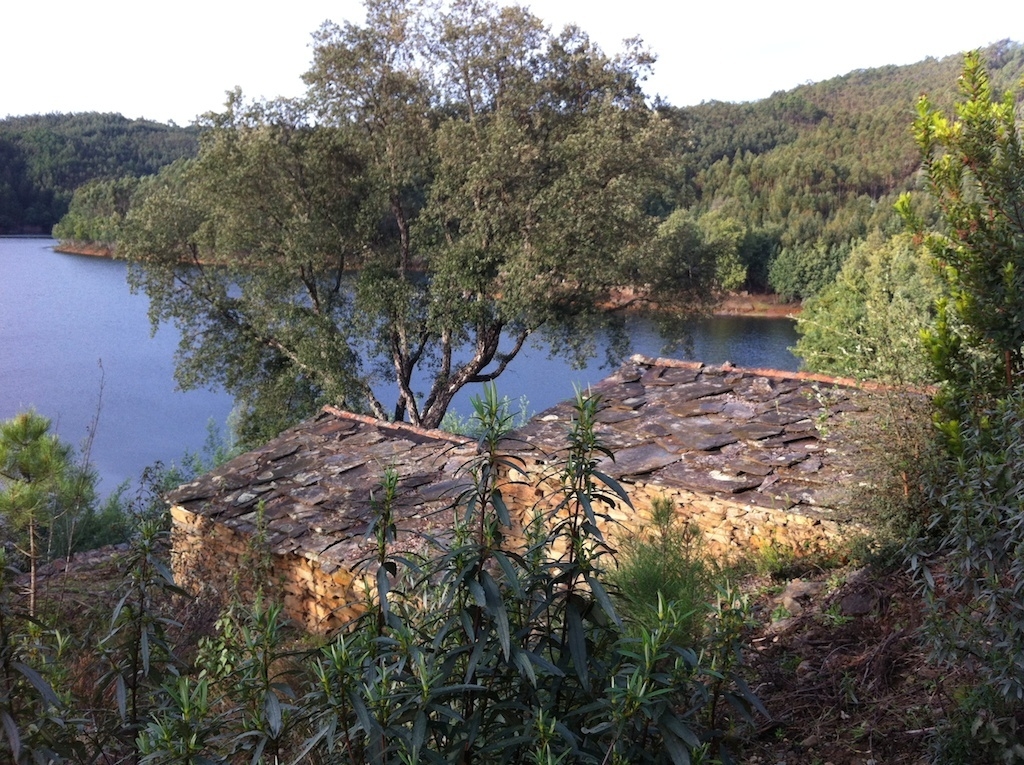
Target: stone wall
column 730, row 528
column 218, row 563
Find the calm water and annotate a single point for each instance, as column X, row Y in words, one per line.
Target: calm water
column 73, row 338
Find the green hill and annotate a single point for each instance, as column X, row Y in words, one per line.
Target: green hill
column 810, row 169
column 44, row 158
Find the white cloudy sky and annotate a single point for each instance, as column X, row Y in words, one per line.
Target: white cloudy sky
column 175, row 60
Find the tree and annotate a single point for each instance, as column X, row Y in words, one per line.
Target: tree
column 974, row 166
column 38, row 485
column 867, row 323
column 451, row 186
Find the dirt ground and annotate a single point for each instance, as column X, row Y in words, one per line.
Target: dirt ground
column 845, row 680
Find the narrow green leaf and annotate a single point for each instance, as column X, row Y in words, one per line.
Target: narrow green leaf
column 749, row 695
column 601, row 594
column 669, row 721
column 479, row 597
column 544, row 664
column 362, row 714
column 311, row 742
column 614, row 485
column 257, row 753
column 577, row 643
column 161, row 568
column 144, row 650
column 13, row 737
column 741, row 705
column 383, row 588
column 511, row 576
column 419, row 734
column 475, row 656
column 522, row 660
column 272, row 711
column 496, row 605
column 500, row 508
column 121, row 693
column 676, row 749
column 38, row 682
column 115, row 615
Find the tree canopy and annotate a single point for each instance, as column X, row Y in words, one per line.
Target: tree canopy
column 974, row 166
column 451, row 185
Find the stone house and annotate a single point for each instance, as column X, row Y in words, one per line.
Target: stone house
column 752, row 457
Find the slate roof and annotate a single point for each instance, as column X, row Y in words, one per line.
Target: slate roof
column 760, row 437
column 315, row 482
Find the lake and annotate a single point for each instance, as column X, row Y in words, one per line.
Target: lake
column 75, row 344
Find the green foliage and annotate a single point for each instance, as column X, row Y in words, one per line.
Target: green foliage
column 516, row 654
column 968, row 558
column 665, row 564
column 494, row 641
column 472, row 426
column 45, row 158
column 815, row 167
column 500, row 189
column 801, row 271
column 982, row 728
column 867, row 323
column 136, row 649
column 971, row 568
column 34, row 719
column 974, row 164
column 41, row 490
column 96, row 211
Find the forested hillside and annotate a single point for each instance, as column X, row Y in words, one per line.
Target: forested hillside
column 806, row 172
column 44, row 158
column 780, row 189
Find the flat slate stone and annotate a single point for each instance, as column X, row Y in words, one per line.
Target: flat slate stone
column 781, row 416
column 702, row 438
column 738, row 410
column 694, row 478
column 696, row 407
column 764, row 501
column 755, row 431
column 639, row 460
column 688, row 392
column 750, row 467
column 613, row 415
column 284, row 450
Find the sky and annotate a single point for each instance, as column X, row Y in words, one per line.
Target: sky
column 174, row 61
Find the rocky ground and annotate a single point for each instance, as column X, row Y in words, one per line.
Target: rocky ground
column 838, row 662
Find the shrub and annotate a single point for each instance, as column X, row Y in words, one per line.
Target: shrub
column 665, row 564
column 972, row 568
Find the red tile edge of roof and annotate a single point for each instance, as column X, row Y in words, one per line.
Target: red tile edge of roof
column 848, row 382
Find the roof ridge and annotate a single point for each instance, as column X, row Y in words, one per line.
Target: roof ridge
column 436, row 433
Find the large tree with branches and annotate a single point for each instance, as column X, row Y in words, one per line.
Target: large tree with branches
column 452, row 184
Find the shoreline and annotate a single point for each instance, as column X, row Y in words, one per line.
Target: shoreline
column 737, row 304
column 754, row 305
column 81, row 248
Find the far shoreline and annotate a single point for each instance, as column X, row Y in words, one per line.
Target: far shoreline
column 744, row 304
